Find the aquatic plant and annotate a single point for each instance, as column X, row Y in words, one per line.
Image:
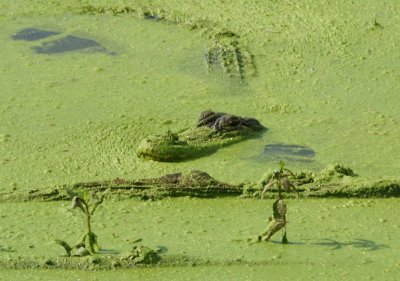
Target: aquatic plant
column 87, row 203
column 281, row 180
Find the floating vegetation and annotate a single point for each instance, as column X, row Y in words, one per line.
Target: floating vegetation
column 94, row 10
column 140, row 12
column 142, row 255
column 224, row 49
column 33, row 34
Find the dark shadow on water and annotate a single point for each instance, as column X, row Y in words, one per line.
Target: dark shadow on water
column 148, row 16
column 33, row 34
column 293, row 150
column 68, row 44
column 287, row 152
column 367, row 245
column 161, row 249
column 364, row 244
column 108, row 252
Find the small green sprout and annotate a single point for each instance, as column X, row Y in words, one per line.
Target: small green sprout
column 65, row 245
column 87, row 203
column 280, row 178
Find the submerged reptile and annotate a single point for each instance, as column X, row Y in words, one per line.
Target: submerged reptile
column 333, row 181
column 212, row 131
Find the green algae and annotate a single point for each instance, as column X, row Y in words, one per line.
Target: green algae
column 213, row 234
column 324, row 80
column 290, row 92
column 224, row 49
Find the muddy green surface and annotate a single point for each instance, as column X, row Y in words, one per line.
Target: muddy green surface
column 99, row 76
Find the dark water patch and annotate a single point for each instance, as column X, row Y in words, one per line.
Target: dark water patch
column 364, row 244
column 71, row 43
column 33, row 34
column 286, row 152
column 279, row 149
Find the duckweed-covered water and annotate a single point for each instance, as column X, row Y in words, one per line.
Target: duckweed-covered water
column 77, row 97
column 324, row 81
column 327, row 237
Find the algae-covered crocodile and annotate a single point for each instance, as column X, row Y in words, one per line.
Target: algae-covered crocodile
column 333, row 181
column 212, row 131
column 193, row 183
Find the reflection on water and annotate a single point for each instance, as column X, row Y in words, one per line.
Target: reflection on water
column 108, row 252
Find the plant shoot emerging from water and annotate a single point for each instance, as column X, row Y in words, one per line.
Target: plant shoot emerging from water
column 87, row 203
column 281, row 179
column 278, row 222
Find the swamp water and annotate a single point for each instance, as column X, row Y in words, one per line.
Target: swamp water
column 328, row 238
column 326, row 88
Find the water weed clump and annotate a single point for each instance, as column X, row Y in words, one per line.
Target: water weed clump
column 87, row 202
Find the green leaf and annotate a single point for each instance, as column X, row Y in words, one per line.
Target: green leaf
column 86, row 196
column 65, row 245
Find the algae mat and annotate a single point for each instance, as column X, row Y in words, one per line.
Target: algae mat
column 324, row 81
column 328, row 237
column 93, row 78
